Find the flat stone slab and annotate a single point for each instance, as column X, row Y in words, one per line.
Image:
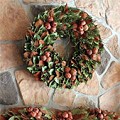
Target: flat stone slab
column 8, row 93
column 33, row 92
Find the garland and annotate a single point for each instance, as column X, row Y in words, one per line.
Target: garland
column 34, row 113
column 46, row 64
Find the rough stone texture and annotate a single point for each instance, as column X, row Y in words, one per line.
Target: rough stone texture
column 112, row 76
column 13, row 20
column 8, row 93
column 64, row 97
column 110, row 100
column 92, row 6
column 46, row 1
column 33, row 92
column 112, row 13
column 105, row 57
column 114, row 47
column 83, row 101
column 91, row 88
column 104, row 31
column 9, row 56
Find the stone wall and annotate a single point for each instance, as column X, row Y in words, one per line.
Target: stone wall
column 17, row 85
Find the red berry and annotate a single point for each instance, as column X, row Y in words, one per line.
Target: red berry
column 48, row 59
column 47, row 54
column 73, row 78
column 95, row 50
column 43, row 58
column 68, row 75
column 50, row 19
column 65, row 115
column 98, row 57
column 33, row 114
column 75, row 26
column 81, row 27
column 85, row 27
column 67, row 69
column 36, row 110
column 83, row 23
column 54, row 24
column 53, row 29
column 41, row 63
column 29, row 109
column 76, row 34
column 81, row 32
column 38, row 116
column 93, row 56
column 73, row 71
column 89, row 52
column 47, row 26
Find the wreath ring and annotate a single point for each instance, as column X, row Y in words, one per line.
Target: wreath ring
column 46, row 64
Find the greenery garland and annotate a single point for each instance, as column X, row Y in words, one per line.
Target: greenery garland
column 35, row 113
column 46, row 64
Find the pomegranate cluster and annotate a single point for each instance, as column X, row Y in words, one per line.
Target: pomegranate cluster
column 46, row 64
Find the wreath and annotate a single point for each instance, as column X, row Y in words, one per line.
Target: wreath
column 46, row 64
column 36, row 113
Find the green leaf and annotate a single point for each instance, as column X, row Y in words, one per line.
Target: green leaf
column 51, row 71
column 50, row 64
column 57, row 80
column 15, row 118
column 44, row 68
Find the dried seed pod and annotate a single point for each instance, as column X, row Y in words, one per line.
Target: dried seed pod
column 39, row 23
column 30, row 63
column 84, row 15
column 26, row 54
column 94, row 57
column 76, row 34
column 41, row 42
column 36, row 43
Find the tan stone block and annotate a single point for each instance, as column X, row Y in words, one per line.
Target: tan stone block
column 9, row 56
column 64, row 97
column 92, row 6
column 83, row 101
column 89, row 88
column 13, row 20
column 110, row 100
column 33, row 92
column 104, row 31
column 114, row 47
column 112, row 76
column 113, row 17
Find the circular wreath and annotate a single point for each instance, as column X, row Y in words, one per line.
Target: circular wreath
column 46, row 64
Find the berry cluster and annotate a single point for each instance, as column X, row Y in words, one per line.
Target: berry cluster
column 66, row 115
column 34, row 112
column 70, row 73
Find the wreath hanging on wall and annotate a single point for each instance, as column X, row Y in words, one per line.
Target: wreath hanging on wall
column 46, row 64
